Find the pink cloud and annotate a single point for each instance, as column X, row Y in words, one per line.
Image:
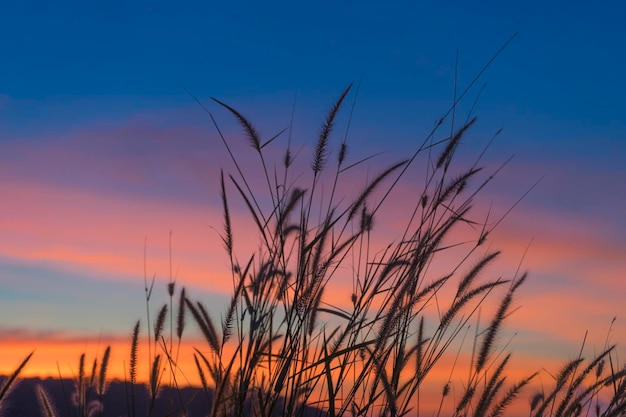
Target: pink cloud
column 76, row 230
column 56, row 352
column 85, row 202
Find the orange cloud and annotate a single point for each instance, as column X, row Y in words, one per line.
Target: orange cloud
column 104, row 235
column 60, row 352
column 86, row 208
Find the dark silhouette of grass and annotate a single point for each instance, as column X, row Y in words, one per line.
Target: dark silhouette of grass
column 291, row 345
column 10, row 382
column 282, row 348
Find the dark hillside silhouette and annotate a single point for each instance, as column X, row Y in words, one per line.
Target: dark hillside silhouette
column 23, row 401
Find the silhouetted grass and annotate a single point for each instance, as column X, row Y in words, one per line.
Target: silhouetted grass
column 291, row 347
column 10, row 382
column 285, row 347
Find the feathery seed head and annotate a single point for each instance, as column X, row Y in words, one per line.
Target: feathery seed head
column 446, row 389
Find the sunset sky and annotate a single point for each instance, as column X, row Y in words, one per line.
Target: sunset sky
column 103, row 149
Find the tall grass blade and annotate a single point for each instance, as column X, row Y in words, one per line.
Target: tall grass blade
column 253, row 136
column 204, row 322
column 446, row 155
column 160, row 323
column 103, row 371
column 45, row 403
column 321, row 149
column 10, row 382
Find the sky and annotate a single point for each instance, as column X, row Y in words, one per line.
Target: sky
column 106, row 157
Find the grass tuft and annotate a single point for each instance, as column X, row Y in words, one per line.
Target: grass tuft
column 344, row 308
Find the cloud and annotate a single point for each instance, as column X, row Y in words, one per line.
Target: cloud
column 73, row 229
column 84, row 202
column 59, row 352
